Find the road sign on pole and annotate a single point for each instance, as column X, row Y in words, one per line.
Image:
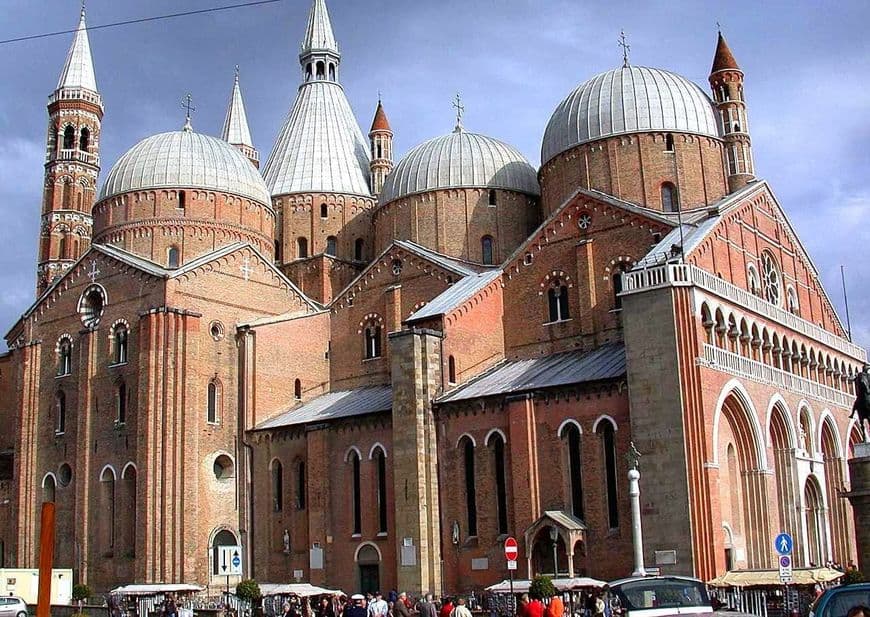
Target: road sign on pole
column 511, row 549
column 230, row 560
column 512, row 564
column 785, row 568
column 783, row 544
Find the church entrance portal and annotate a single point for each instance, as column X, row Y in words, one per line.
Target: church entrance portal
column 369, row 564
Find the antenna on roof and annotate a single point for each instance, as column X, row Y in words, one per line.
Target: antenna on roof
column 846, row 301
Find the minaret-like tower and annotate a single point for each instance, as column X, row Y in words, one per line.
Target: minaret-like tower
column 726, row 80
column 319, row 55
column 381, row 143
column 72, row 162
column 236, row 131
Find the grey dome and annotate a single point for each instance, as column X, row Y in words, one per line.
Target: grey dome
column 184, row 159
column 460, row 160
column 630, row 99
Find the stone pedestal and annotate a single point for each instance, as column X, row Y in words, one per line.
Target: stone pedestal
column 859, row 496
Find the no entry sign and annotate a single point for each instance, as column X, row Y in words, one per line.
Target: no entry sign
column 510, row 548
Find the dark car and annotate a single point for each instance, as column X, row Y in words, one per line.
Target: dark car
column 837, row 601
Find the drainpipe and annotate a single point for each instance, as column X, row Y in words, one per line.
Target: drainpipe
column 247, row 523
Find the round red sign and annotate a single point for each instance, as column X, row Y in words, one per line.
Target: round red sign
column 510, row 548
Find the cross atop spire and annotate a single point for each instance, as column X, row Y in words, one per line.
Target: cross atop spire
column 460, row 108
column 78, row 70
column 187, row 104
column 625, row 48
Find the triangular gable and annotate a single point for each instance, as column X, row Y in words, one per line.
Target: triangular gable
column 761, row 191
column 440, row 266
column 586, row 199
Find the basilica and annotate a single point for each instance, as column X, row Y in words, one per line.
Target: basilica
column 366, row 371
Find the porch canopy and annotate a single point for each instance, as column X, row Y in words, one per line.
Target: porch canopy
column 770, row 578
column 301, row 590
column 561, row 584
column 570, row 529
column 153, row 590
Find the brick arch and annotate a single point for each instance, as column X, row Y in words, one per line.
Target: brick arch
column 778, row 410
column 604, row 418
column 827, row 430
column 129, row 465
column 377, row 446
column 565, row 424
column 348, row 452
column 468, row 436
column 103, row 471
column 492, row 433
column 746, row 416
column 363, row 545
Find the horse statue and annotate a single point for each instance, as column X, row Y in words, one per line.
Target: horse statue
column 862, row 399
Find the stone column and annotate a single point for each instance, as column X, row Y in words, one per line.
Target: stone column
column 636, row 531
column 859, row 496
column 416, row 378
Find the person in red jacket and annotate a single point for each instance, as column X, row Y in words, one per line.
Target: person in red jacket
column 446, row 607
column 535, row 608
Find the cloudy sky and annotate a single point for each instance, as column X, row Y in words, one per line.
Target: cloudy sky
column 806, row 66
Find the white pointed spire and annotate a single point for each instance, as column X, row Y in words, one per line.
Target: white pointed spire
column 78, row 70
column 318, row 34
column 236, row 129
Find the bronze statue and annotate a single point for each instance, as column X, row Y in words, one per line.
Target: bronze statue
column 862, row 399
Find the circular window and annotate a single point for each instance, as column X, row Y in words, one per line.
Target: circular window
column 397, row 267
column 772, row 279
column 585, row 221
column 64, row 474
column 216, row 329
column 91, row 305
column 223, row 467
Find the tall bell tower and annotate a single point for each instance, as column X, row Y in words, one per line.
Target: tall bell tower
column 72, row 162
column 381, row 143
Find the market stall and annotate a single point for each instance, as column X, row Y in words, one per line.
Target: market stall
column 761, row 592
column 302, row 597
column 145, row 600
column 499, row 597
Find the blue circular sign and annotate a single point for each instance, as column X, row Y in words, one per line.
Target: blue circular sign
column 783, row 544
column 236, row 561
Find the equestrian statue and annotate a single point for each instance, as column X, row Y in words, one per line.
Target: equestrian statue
column 862, row 399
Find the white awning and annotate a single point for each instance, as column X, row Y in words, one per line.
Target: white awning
column 149, row 590
column 302, row 590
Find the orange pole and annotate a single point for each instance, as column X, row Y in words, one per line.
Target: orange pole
column 46, row 560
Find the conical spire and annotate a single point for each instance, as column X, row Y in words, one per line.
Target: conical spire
column 380, row 122
column 236, row 129
column 78, row 70
column 723, row 59
column 318, row 34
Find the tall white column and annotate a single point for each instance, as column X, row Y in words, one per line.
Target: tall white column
column 636, row 531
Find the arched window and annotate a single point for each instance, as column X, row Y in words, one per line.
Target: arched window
column 300, row 485
column 214, row 402
column 331, row 71
column 182, row 200
column 451, row 369
column 49, row 488
column 357, row 506
column 69, row 138
column 308, row 71
column 608, row 443
column 330, row 245
column 324, row 211
column 486, row 249
column 753, row 283
column 669, row 143
column 297, row 390
column 277, row 486
column 379, row 150
column 106, row 523
column 121, row 403
column 792, row 299
column 500, row 482
column 381, row 462
column 301, row 248
column 64, row 359
column 84, row 139
column 60, row 411
column 358, row 247
column 172, row 257
column 372, row 341
column 670, row 199
column 61, row 247
column 120, row 343
column 224, row 537
column 617, row 285
column 557, row 297
column 321, row 70
column 470, row 493
column 771, row 278
column 492, row 197
column 571, row 436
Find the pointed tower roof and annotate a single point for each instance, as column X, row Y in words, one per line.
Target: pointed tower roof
column 236, row 129
column 723, row 59
column 318, row 34
column 78, row 70
column 380, row 123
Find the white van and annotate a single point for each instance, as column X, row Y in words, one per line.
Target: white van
column 657, row 596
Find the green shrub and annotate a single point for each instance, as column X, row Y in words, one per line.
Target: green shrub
column 81, row 592
column 248, row 590
column 542, row 587
column 852, row 576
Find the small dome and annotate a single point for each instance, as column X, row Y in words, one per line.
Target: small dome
column 460, row 160
column 184, row 159
column 630, row 99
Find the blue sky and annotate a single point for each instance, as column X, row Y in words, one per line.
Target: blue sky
column 806, row 65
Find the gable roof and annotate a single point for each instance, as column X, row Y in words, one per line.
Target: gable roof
column 514, row 376
column 334, row 405
column 455, row 295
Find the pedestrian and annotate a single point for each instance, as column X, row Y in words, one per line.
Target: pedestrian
column 400, row 606
column 556, row 608
column 285, row 610
column 379, row 606
column 324, row 609
column 599, row 604
column 356, row 607
column 460, row 610
column 446, row 607
column 535, row 608
column 427, row 607
column 170, row 609
column 523, row 606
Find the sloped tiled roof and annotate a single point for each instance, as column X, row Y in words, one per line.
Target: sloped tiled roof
column 78, row 70
column 334, row 405
column 455, row 295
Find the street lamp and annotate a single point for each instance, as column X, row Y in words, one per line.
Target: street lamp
column 554, row 538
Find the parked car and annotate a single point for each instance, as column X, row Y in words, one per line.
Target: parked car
column 660, row 596
column 836, row 601
column 12, row 606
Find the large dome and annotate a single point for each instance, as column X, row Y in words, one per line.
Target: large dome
column 184, row 159
column 460, row 160
column 630, row 99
